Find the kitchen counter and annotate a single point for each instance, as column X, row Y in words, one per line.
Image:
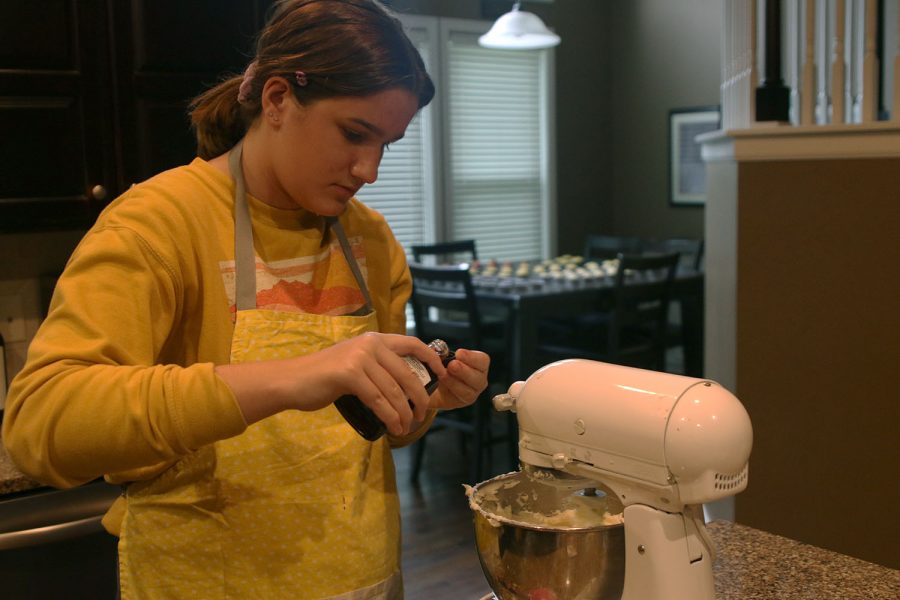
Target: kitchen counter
column 753, row 564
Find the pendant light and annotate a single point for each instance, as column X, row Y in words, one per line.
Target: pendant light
column 519, row 30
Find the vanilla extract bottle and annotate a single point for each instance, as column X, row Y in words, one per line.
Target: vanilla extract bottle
column 361, row 417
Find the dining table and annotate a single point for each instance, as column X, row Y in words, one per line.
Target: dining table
column 524, row 301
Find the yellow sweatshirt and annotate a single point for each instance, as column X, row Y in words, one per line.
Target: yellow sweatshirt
column 119, row 379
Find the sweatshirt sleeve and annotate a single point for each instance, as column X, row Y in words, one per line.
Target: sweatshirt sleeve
column 91, row 399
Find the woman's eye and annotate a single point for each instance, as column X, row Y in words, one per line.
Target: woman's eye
column 353, row 136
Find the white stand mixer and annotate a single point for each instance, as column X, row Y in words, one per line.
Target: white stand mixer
column 665, row 444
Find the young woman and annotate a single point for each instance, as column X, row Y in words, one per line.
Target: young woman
column 205, row 325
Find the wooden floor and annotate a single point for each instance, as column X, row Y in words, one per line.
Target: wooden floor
column 439, row 557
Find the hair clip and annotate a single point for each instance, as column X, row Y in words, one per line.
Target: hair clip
column 300, row 76
column 246, row 82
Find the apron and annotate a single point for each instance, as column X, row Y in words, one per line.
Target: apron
column 297, row 506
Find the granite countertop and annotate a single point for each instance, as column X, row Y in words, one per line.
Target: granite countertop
column 753, row 564
column 11, row 479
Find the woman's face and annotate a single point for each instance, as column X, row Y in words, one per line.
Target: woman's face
column 322, row 153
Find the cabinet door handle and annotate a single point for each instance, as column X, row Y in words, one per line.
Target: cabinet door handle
column 50, row 533
column 98, row 192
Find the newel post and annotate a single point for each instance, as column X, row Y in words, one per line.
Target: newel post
column 772, row 96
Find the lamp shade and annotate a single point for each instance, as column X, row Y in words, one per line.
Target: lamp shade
column 519, row 30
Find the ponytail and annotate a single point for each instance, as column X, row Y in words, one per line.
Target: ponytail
column 218, row 119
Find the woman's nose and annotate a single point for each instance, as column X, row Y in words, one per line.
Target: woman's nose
column 365, row 167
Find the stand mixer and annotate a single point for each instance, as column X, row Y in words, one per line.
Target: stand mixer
column 665, row 444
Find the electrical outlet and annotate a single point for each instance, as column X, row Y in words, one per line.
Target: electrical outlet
column 12, row 318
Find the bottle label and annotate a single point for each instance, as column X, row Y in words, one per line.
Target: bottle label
column 419, row 369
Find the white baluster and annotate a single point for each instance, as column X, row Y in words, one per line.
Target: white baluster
column 858, row 40
column 870, row 66
column 751, row 79
column 794, row 53
column 808, row 87
column 837, row 65
column 822, row 61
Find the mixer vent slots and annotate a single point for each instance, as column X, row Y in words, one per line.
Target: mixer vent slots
column 730, row 482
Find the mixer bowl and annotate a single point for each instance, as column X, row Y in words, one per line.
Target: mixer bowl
column 531, row 558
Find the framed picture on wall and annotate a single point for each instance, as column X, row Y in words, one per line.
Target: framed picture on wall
column 687, row 171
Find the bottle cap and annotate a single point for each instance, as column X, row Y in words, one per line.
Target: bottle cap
column 441, row 347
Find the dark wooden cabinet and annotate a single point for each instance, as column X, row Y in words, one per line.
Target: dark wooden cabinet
column 94, row 96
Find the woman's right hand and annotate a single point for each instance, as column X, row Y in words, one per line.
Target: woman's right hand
column 369, row 366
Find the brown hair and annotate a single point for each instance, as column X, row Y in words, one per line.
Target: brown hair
column 344, row 47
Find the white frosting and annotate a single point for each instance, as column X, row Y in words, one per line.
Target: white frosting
column 513, row 499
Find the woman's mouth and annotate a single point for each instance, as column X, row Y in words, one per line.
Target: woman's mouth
column 348, row 190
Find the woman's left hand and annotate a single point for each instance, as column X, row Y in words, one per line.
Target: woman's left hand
column 465, row 380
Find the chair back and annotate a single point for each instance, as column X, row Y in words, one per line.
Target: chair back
column 444, row 305
column 637, row 333
column 445, row 253
column 690, row 251
column 602, row 247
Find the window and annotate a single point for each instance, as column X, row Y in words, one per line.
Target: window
column 478, row 162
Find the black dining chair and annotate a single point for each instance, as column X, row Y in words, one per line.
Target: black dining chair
column 444, row 307
column 597, row 247
column 445, row 253
column 602, row 247
column 632, row 330
column 690, row 259
column 690, row 250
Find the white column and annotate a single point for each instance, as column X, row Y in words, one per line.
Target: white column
column 837, row 65
column 870, row 66
column 822, row 61
column 725, row 88
column 794, row 54
column 749, row 31
column 808, row 87
column 858, row 27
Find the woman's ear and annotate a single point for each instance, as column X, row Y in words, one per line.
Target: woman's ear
column 276, row 94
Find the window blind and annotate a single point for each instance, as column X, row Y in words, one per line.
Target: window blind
column 495, row 147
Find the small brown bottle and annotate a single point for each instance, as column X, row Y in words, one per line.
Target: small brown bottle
column 361, row 417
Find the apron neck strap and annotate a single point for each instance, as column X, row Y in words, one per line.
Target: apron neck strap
column 244, row 257
column 354, row 266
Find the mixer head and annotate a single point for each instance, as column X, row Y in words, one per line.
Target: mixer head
column 655, row 438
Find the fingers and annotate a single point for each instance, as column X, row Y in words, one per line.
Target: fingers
column 466, row 378
column 374, row 368
column 405, row 345
column 392, row 384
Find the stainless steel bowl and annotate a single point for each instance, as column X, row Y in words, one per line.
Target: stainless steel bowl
column 528, row 559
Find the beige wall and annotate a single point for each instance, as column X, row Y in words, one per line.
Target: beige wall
column 818, row 351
